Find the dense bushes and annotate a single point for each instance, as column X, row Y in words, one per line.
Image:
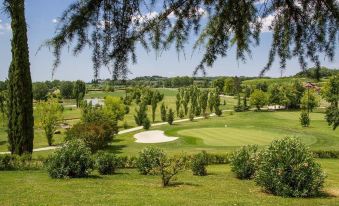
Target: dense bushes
column 326, row 154
column 97, row 128
column 148, row 159
column 287, row 168
column 244, row 162
column 95, row 135
column 15, row 162
column 199, row 163
column 106, row 163
column 72, row 160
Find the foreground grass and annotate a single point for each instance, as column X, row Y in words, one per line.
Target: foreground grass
column 127, row 187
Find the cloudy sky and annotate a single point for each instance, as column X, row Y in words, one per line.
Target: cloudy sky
column 41, row 17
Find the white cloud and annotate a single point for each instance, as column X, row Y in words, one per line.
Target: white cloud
column 4, row 27
column 55, row 21
column 137, row 18
column 266, row 23
column 200, row 11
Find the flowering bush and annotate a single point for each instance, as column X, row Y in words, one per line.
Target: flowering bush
column 244, row 162
column 287, row 168
column 72, row 160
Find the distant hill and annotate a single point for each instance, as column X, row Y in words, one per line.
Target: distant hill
column 312, row 73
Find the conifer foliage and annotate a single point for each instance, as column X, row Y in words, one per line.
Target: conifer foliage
column 20, row 96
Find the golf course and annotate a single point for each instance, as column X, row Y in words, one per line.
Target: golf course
column 169, row 103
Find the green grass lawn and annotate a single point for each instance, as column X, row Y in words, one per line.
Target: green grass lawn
column 242, row 128
column 211, row 134
column 234, row 136
column 220, row 187
column 127, row 187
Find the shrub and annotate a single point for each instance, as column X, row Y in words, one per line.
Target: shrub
column 73, row 159
column 244, row 162
column 15, row 162
column 304, row 119
column 106, row 163
column 125, row 125
column 146, row 123
column 170, row 117
column 127, row 162
column 96, row 135
column 190, row 115
column 218, row 158
column 218, row 112
column 168, row 168
column 148, row 159
column 199, row 163
column 287, row 168
column 181, row 113
column 6, row 162
column 326, row 154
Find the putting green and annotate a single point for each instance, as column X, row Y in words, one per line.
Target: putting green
column 235, row 136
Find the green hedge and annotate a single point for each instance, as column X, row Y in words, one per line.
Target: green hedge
column 24, row 162
column 330, row 154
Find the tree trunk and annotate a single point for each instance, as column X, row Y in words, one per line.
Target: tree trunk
column 20, row 104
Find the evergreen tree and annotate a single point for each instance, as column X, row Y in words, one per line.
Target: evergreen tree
column 20, row 96
column 79, row 91
column 141, row 114
column 154, row 103
column 217, row 109
column 194, row 94
column 163, row 112
column 191, row 114
column 170, row 117
column 186, row 100
column 331, row 94
column 203, row 101
column 211, row 101
column 178, row 103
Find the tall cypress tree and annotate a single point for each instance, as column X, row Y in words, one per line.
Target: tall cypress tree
column 20, row 96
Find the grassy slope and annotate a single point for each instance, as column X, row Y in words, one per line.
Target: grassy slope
column 279, row 124
column 127, row 187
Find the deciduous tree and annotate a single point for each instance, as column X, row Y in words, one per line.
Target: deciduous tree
column 79, row 91
column 48, row 115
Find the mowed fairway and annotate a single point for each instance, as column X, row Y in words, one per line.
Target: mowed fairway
column 233, row 136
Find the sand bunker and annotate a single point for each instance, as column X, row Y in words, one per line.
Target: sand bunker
column 154, row 136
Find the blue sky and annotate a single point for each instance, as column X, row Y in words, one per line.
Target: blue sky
column 41, row 13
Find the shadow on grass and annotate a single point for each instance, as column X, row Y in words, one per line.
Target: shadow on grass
column 3, row 142
column 114, row 147
column 92, row 177
column 322, row 195
column 179, row 184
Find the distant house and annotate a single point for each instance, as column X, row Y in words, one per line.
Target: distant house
column 95, row 102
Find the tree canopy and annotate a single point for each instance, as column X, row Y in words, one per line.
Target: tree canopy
column 303, row 29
